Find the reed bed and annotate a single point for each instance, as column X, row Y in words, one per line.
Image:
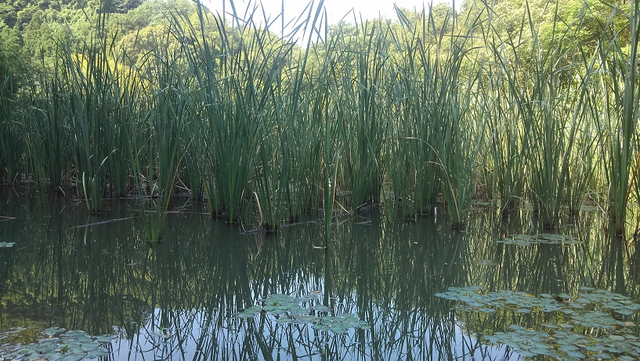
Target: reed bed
column 411, row 114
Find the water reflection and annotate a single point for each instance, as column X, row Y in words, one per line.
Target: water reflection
column 177, row 299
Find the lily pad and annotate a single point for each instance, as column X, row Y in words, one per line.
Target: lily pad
column 67, row 345
column 562, row 321
column 287, row 309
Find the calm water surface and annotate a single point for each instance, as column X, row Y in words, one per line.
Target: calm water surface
column 179, row 299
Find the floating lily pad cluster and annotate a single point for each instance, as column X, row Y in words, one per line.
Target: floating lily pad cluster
column 542, row 238
column 287, row 309
column 591, row 325
column 60, row 344
column 568, row 345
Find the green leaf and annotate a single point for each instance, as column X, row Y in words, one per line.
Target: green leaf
column 320, row 327
column 89, row 346
column 98, row 352
column 335, row 328
column 105, row 338
column 321, row 308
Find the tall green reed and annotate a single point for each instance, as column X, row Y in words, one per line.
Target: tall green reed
column 11, row 148
column 168, row 118
column 412, row 161
column 97, row 118
column 266, row 129
column 249, row 88
column 235, row 131
column 229, row 89
column 130, row 109
column 550, row 108
column 462, row 143
column 435, row 145
column 362, row 109
column 507, row 161
column 620, row 114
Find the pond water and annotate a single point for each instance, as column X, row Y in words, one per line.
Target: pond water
column 375, row 292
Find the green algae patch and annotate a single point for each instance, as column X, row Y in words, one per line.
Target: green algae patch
column 594, row 324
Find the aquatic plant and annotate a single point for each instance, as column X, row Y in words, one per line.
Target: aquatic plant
column 287, row 309
column 507, row 160
column 424, row 98
column 11, row 148
column 411, row 112
column 619, row 113
column 601, row 312
column 61, row 344
column 361, row 108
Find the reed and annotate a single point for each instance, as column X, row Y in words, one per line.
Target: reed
column 91, row 105
column 549, row 111
column 43, row 141
column 130, row 102
column 230, row 134
column 620, row 114
column 265, row 129
column 506, row 157
column 437, row 143
column 169, row 114
column 11, row 147
column 462, row 144
column 412, row 161
column 362, row 111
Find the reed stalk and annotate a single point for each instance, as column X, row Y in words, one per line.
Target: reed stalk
column 11, row 148
column 226, row 86
column 364, row 76
column 551, row 112
column 412, row 162
column 621, row 118
column 507, row 161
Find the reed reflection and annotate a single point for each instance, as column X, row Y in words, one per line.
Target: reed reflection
column 179, row 298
